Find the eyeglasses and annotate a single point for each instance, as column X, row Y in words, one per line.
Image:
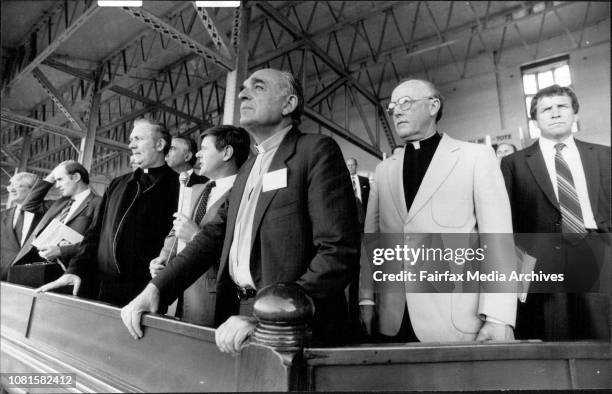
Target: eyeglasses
column 404, row 103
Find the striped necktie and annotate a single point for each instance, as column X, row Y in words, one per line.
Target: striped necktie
column 571, row 213
column 64, row 212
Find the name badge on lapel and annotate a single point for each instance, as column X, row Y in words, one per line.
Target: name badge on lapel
column 274, row 180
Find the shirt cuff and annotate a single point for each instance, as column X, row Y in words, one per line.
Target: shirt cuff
column 367, row 302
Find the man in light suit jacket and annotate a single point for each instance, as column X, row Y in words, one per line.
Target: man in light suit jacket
column 224, row 149
column 289, row 218
column 436, row 184
column 541, row 198
column 77, row 208
column 16, row 224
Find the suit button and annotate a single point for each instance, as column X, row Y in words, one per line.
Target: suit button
column 557, row 247
column 557, row 224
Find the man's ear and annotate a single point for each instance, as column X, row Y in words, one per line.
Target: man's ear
column 434, row 107
column 160, row 144
column 188, row 156
column 76, row 177
column 228, row 153
column 290, row 105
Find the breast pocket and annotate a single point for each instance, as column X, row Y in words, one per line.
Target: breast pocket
column 278, row 212
column 449, row 212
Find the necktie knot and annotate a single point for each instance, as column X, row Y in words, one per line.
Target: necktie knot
column 559, row 147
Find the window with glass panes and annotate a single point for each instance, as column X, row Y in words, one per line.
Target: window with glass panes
column 539, row 75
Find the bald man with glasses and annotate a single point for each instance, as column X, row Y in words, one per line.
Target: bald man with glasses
column 435, row 185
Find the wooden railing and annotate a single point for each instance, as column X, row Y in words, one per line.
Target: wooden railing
column 58, row 333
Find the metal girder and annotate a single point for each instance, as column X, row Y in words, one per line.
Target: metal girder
column 11, row 156
column 291, row 28
column 49, row 33
column 187, row 42
column 324, row 93
column 163, row 107
column 210, row 24
column 28, row 168
column 8, row 116
column 341, row 131
column 58, row 100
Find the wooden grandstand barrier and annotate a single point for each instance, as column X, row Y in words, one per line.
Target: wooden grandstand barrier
column 65, row 334
column 57, row 333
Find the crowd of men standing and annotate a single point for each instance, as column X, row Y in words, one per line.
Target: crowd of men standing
column 296, row 211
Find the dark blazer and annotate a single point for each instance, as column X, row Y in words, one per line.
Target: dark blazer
column 536, row 220
column 305, row 233
column 532, row 198
column 9, row 246
column 364, row 184
column 79, row 221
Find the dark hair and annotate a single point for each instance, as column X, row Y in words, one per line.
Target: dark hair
column 74, row 167
column 160, row 129
column 192, row 147
column 293, row 86
column 549, row 91
column 236, row 137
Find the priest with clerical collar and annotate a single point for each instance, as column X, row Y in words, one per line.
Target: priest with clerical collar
column 135, row 217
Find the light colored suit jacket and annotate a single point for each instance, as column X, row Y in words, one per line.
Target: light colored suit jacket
column 462, row 192
column 198, row 305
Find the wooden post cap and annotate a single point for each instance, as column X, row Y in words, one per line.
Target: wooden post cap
column 283, row 312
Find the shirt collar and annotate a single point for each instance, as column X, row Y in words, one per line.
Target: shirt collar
column 226, row 181
column 548, row 145
column 272, row 142
column 79, row 197
column 429, row 141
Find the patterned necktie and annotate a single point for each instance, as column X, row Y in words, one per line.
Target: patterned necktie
column 201, row 210
column 64, row 212
column 571, row 213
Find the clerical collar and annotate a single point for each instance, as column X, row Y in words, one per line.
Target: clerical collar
column 431, row 141
column 273, row 141
column 154, row 170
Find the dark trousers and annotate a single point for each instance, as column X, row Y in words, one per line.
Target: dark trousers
column 405, row 333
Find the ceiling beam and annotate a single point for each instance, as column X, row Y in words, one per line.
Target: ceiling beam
column 67, row 18
column 184, row 40
column 9, row 116
column 295, row 32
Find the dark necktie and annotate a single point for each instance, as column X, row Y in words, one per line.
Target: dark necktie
column 571, row 213
column 64, row 212
column 19, row 224
column 201, row 209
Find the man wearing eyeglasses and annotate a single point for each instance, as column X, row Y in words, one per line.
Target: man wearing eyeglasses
column 436, row 185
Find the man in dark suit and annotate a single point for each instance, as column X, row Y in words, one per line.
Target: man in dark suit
column 77, row 208
column 560, row 186
column 134, row 220
column 16, row 224
column 361, row 184
column 289, row 218
column 224, row 150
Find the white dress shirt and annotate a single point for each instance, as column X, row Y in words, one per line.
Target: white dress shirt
column 355, row 180
column 572, row 157
column 240, row 250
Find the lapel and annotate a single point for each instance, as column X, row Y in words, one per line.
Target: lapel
column 590, row 166
column 234, row 203
column 8, row 225
column 212, row 211
column 53, row 211
column 443, row 161
column 285, row 150
column 395, row 180
column 81, row 207
column 537, row 166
